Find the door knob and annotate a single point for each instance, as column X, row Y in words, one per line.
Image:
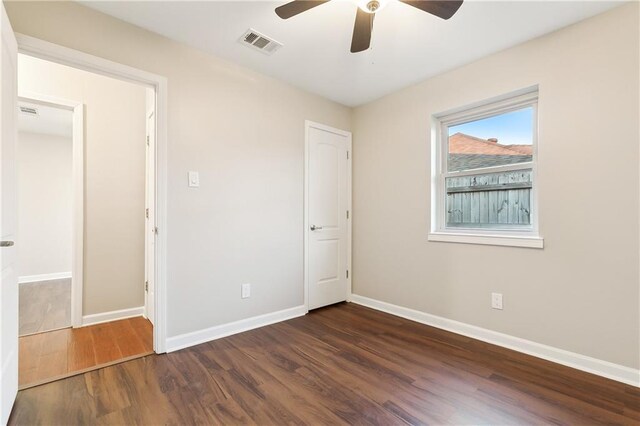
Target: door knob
column 6, row 243
column 314, row 228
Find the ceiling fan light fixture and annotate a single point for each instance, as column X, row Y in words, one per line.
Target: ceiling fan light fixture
column 372, row 6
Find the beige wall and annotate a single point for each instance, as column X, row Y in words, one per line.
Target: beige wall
column 114, row 178
column 244, row 133
column 580, row 292
column 44, row 204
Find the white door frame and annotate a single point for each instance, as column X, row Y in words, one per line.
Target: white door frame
column 77, row 239
column 84, row 61
column 149, row 223
column 307, row 125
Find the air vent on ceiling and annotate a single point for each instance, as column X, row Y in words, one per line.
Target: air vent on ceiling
column 260, row 42
column 28, row 110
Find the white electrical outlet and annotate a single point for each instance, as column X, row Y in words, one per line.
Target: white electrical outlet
column 496, row 300
column 246, row 291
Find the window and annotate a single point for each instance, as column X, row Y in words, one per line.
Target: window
column 484, row 169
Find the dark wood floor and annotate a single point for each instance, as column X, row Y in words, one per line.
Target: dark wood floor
column 60, row 353
column 342, row 364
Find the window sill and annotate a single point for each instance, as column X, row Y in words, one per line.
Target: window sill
column 491, row 240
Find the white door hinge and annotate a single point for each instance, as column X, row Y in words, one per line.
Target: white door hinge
column 146, row 286
column 146, row 213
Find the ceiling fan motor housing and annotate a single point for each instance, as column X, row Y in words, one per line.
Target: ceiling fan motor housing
column 373, row 5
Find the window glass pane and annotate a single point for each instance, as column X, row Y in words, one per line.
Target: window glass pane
column 494, row 141
column 491, row 200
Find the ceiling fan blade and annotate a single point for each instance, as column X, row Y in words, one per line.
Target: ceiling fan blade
column 362, row 31
column 444, row 9
column 295, row 7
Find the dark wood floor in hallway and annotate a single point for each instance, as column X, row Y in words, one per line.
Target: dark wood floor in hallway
column 337, row 365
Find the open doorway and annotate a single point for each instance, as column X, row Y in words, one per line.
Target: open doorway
column 100, row 313
column 45, row 207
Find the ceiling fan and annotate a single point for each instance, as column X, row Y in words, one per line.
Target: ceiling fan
column 367, row 9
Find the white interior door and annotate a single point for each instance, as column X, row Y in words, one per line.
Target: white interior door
column 8, row 220
column 327, row 215
column 150, row 242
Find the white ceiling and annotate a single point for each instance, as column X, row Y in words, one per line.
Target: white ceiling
column 408, row 45
column 49, row 121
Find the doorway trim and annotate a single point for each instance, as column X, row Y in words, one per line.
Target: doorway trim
column 308, row 124
column 62, row 55
column 150, row 214
column 77, row 209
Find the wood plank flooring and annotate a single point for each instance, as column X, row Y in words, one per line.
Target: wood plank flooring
column 50, row 355
column 344, row 364
column 44, row 305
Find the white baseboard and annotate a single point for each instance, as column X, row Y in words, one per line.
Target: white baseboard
column 596, row 366
column 112, row 316
column 201, row 336
column 43, row 277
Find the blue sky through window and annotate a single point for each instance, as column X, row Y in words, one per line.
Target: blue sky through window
column 512, row 128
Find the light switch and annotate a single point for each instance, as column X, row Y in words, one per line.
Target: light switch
column 194, row 179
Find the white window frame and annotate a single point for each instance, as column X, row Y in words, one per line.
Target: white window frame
column 507, row 236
